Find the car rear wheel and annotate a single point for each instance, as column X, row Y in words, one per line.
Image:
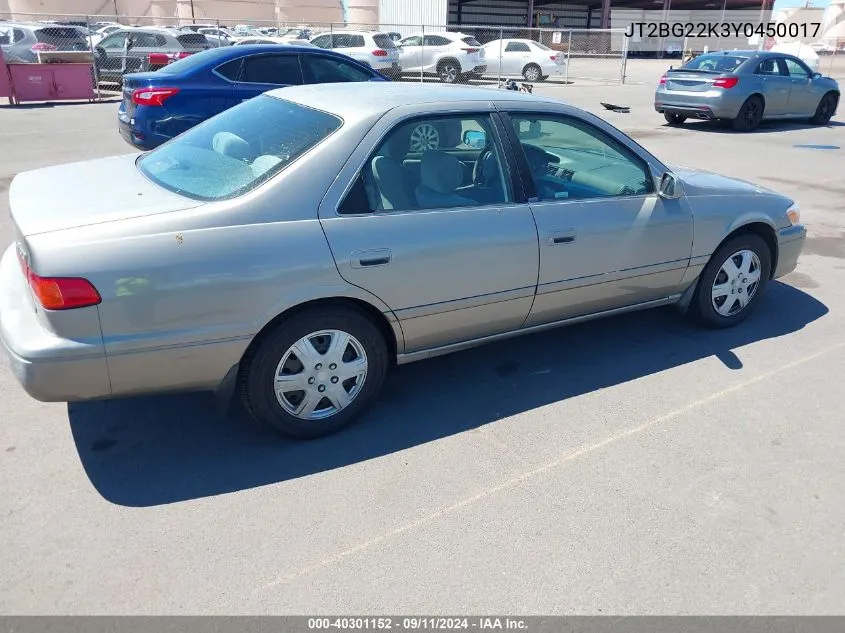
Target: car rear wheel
column 315, row 372
column 449, row 71
column 732, row 281
column 825, row 109
column 674, row 119
column 750, row 115
column 532, row 72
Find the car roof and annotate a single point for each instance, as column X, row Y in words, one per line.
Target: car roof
column 362, row 99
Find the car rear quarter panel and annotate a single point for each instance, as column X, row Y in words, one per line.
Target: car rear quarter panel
column 184, row 293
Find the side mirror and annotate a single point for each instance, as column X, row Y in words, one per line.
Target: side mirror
column 817, row 75
column 669, row 187
column 475, row 139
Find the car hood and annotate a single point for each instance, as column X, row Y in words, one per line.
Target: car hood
column 90, row 192
column 705, row 183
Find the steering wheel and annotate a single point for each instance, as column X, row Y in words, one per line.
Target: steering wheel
column 478, row 170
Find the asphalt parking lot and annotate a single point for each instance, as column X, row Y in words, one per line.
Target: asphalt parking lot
column 631, row 465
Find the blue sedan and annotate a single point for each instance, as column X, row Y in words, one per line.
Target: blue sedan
column 159, row 105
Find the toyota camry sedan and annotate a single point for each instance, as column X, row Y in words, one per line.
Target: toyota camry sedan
column 295, row 247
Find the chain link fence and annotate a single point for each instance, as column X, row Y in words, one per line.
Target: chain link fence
column 460, row 54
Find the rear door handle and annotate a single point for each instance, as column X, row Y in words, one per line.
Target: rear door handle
column 562, row 237
column 370, row 258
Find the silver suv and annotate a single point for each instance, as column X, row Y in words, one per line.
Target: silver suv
column 377, row 50
column 22, row 42
column 450, row 56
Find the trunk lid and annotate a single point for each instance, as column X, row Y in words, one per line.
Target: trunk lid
column 58, row 198
column 690, row 81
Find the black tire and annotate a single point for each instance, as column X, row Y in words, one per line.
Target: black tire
column 449, row 71
column 702, row 308
column 825, row 109
column 256, row 380
column 674, row 119
column 532, row 72
column 750, row 115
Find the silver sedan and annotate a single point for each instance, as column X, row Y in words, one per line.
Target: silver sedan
column 746, row 87
column 295, row 247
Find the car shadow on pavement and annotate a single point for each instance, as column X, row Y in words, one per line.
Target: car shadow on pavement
column 766, row 127
column 157, row 450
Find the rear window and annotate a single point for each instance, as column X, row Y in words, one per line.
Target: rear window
column 384, row 41
column 192, row 40
column 236, row 151
column 58, row 33
column 471, row 41
column 717, row 63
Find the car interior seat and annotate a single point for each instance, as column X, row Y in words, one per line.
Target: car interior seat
column 391, row 185
column 440, row 177
column 232, row 145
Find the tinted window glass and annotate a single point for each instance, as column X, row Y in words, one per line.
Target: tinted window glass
column 416, row 40
column 322, row 70
column 715, row 62
column 472, row 41
column 347, row 40
column 146, row 40
column 384, row 41
column 516, row 47
column 272, row 69
column 572, row 160
column 323, row 41
column 412, row 169
column 796, row 69
column 53, row 33
column 768, row 67
column 113, row 41
column 230, row 70
column 237, row 150
column 193, row 40
column 435, row 40
column 6, row 35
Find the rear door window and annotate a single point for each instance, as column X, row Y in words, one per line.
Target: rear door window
column 322, row 70
column 348, row 40
column 283, row 70
column 516, row 47
column 193, row 40
column 230, row 70
column 147, row 40
column 435, row 40
column 323, row 41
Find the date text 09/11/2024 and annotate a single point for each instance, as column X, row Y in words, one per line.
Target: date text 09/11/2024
column 419, row 623
column 722, row 29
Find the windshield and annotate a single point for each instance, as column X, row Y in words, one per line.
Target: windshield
column 236, row 151
column 715, row 62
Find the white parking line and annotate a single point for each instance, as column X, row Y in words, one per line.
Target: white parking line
column 510, row 483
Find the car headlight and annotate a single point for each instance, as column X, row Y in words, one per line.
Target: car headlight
column 794, row 214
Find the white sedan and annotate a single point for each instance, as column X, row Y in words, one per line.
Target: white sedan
column 532, row 60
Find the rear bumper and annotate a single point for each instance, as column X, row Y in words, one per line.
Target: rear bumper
column 138, row 133
column 790, row 244
column 50, row 368
column 713, row 104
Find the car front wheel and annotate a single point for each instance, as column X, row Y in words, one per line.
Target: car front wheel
column 315, row 372
column 732, row 281
column 825, row 109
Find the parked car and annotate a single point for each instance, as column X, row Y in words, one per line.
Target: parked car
column 294, row 247
column 746, row 87
column 100, row 34
column 450, row 56
column 159, row 105
column 220, row 36
column 141, row 49
column 195, row 28
column 374, row 49
column 533, row 60
column 21, row 42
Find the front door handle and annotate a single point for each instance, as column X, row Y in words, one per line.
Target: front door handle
column 562, row 237
column 370, row 258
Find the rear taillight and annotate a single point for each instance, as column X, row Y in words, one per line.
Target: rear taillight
column 43, row 46
column 60, row 293
column 163, row 59
column 726, row 82
column 663, row 80
column 380, row 52
column 152, row 96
